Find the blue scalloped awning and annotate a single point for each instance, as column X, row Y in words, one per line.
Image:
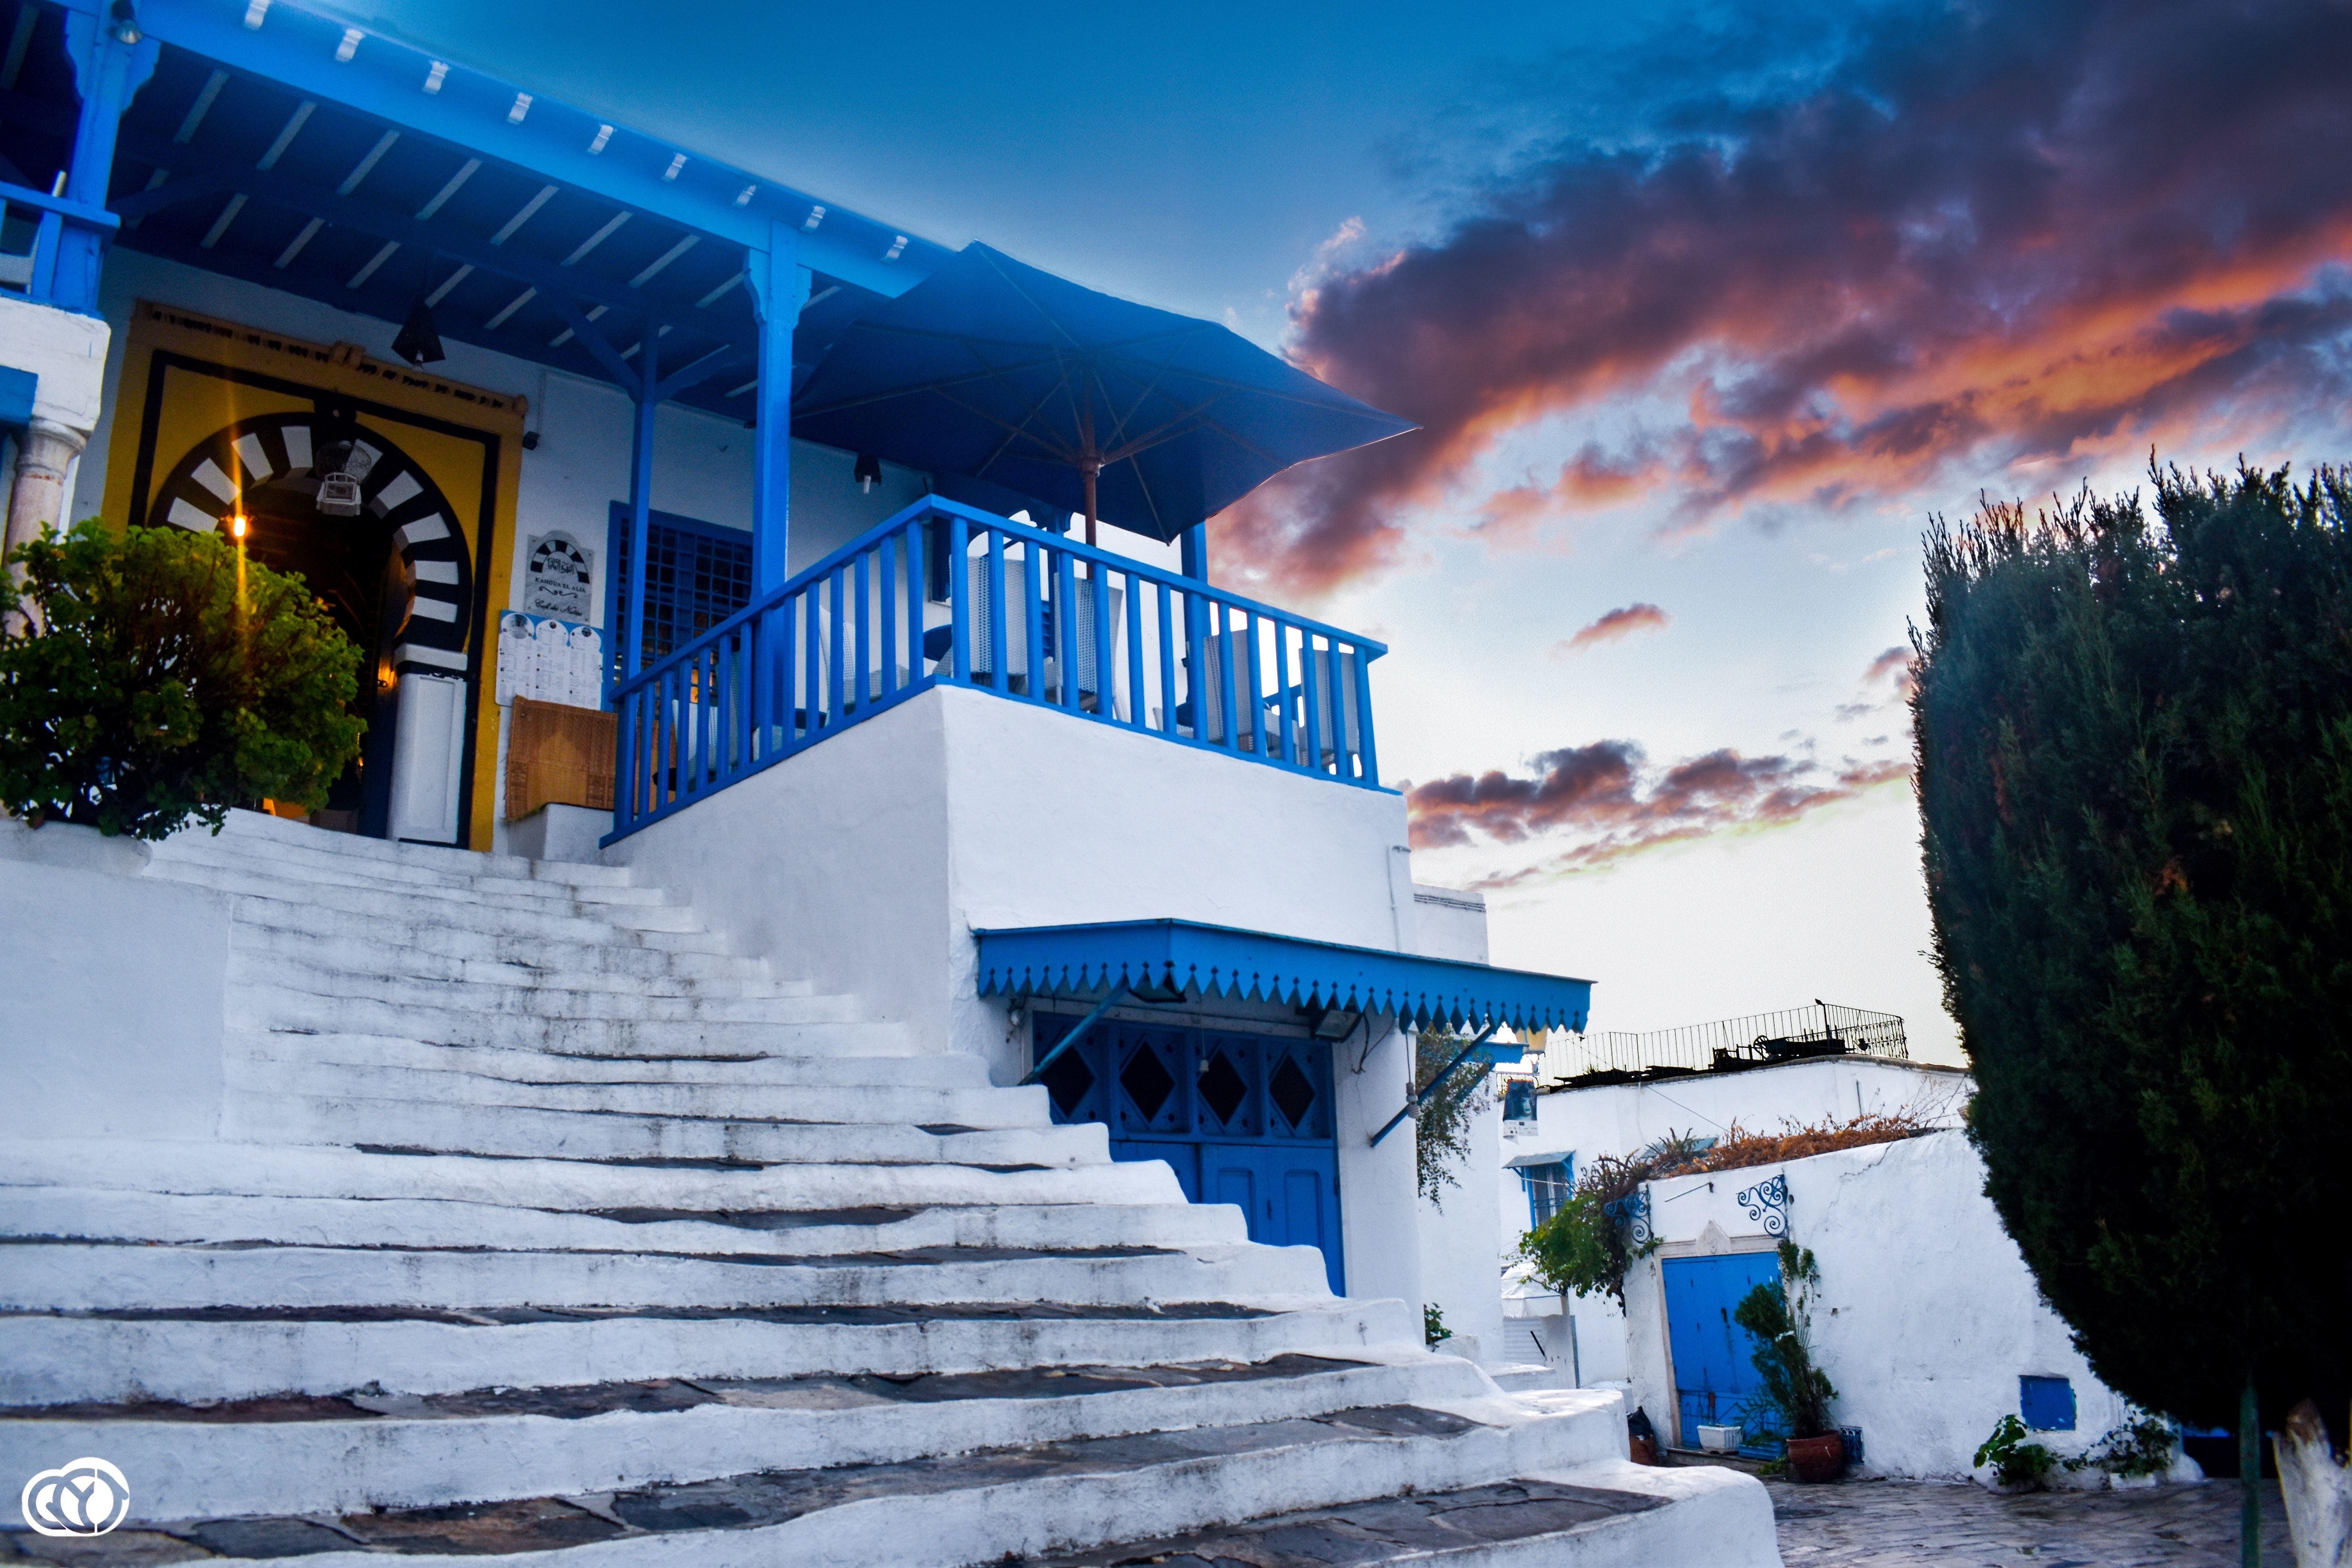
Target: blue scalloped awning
column 1219, row 961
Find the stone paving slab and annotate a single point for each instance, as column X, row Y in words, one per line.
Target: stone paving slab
column 1902, row 1524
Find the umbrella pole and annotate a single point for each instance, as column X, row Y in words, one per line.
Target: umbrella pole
column 1089, row 471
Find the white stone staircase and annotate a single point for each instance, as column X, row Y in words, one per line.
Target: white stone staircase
column 542, row 1227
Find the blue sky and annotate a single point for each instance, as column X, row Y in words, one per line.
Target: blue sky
column 1704, row 309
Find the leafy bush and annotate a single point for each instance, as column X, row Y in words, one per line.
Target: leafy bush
column 2135, row 750
column 2144, row 1447
column 1441, row 1125
column 2015, row 1458
column 1780, row 1316
column 1432, row 1324
column 161, row 677
column 1587, row 1243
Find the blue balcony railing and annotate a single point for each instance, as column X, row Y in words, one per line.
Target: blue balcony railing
column 32, row 232
column 945, row 595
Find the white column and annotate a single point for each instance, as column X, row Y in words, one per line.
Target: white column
column 37, row 499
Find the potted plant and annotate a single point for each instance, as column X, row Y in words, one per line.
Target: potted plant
column 1780, row 1316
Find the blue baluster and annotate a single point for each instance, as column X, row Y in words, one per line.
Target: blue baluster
column 1311, row 690
column 1256, row 692
column 886, row 603
column 1137, row 696
column 959, row 593
column 1372, row 773
column 918, row 590
column 1065, row 603
column 1223, row 616
column 1166, row 662
column 1033, row 568
column 835, row 653
column 861, row 680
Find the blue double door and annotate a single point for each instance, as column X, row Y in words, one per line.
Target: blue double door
column 1242, row 1119
column 1714, row 1357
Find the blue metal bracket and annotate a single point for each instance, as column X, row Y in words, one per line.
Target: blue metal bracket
column 1434, row 1084
column 1067, row 1041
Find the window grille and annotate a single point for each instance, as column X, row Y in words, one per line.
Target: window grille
column 696, row 576
column 1548, row 1190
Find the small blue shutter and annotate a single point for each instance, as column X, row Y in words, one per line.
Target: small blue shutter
column 2046, row 1404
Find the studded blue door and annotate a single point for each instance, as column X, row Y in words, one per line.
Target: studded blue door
column 1714, row 1369
column 1242, row 1119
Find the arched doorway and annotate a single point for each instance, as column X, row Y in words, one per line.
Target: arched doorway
column 370, row 532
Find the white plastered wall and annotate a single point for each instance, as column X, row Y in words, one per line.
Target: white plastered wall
column 85, row 1051
column 864, row 864
column 1927, row 1315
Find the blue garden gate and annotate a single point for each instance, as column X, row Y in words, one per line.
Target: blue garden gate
column 1715, row 1370
column 1243, row 1118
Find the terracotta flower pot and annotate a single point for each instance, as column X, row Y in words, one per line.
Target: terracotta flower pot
column 1643, row 1450
column 1820, row 1458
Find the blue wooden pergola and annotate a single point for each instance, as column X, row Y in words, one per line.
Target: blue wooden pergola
column 264, row 141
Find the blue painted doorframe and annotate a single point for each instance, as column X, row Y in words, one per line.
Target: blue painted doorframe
column 1714, row 1373
column 1242, row 1119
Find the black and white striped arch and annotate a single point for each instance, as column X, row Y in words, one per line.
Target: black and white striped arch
column 278, row 452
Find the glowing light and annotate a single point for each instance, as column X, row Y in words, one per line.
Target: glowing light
column 238, row 526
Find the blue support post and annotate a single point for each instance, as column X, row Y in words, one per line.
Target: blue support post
column 641, row 502
column 1194, row 551
column 1417, row 1101
column 113, row 59
column 780, row 287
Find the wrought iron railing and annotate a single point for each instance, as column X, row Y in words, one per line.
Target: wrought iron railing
column 1729, row 1045
column 943, row 594
column 33, row 273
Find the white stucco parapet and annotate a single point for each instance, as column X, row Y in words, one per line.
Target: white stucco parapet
column 65, row 353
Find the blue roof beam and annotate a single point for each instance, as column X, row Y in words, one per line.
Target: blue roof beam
column 427, row 95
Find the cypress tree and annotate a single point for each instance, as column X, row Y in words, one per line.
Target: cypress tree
column 2135, row 773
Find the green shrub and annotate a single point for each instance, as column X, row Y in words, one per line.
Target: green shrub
column 2144, row 1446
column 2134, row 739
column 2016, row 1459
column 1432, row 1324
column 1780, row 1315
column 161, row 677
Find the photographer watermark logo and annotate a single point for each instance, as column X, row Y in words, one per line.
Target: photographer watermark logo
column 88, row 1497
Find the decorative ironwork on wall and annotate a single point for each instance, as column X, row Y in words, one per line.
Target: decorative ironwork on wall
column 1767, row 1204
column 1632, row 1212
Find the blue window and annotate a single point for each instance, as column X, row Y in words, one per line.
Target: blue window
column 1520, row 1101
column 697, row 575
column 2046, row 1404
column 1548, row 1189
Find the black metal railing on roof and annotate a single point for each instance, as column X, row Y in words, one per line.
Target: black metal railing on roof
column 1729, row 1045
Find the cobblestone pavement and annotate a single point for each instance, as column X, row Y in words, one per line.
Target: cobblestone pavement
column 1899, row 1524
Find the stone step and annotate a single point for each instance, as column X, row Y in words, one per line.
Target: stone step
column 304, row 960
column 553, row 996
column 986, row 1506
column 203, row 861
column 444, row 1127
column 272, row 926
column 387, row 908
column 1607, row 1514
column 364, row 1451
column 220, row 1353
column 940, row 1073
column 79, row 1277
column 878, row 1105
column 472, row 933
column 565, row 1186
column 82, row 1214
column 266, row 834
column 806, row 1025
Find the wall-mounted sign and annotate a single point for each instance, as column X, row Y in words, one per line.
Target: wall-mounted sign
column 558, row 572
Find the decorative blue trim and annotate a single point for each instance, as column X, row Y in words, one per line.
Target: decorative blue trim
column 1157, row 956
column 17, row 390
column 1767, row 1204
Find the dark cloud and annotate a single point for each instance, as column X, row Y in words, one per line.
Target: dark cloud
column 1604, row 802
column 1614, row 625
column 2014, row 232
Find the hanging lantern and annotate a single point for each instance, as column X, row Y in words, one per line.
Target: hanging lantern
column 347, row 463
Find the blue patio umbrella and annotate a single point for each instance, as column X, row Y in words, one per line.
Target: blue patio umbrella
column 994, row 371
